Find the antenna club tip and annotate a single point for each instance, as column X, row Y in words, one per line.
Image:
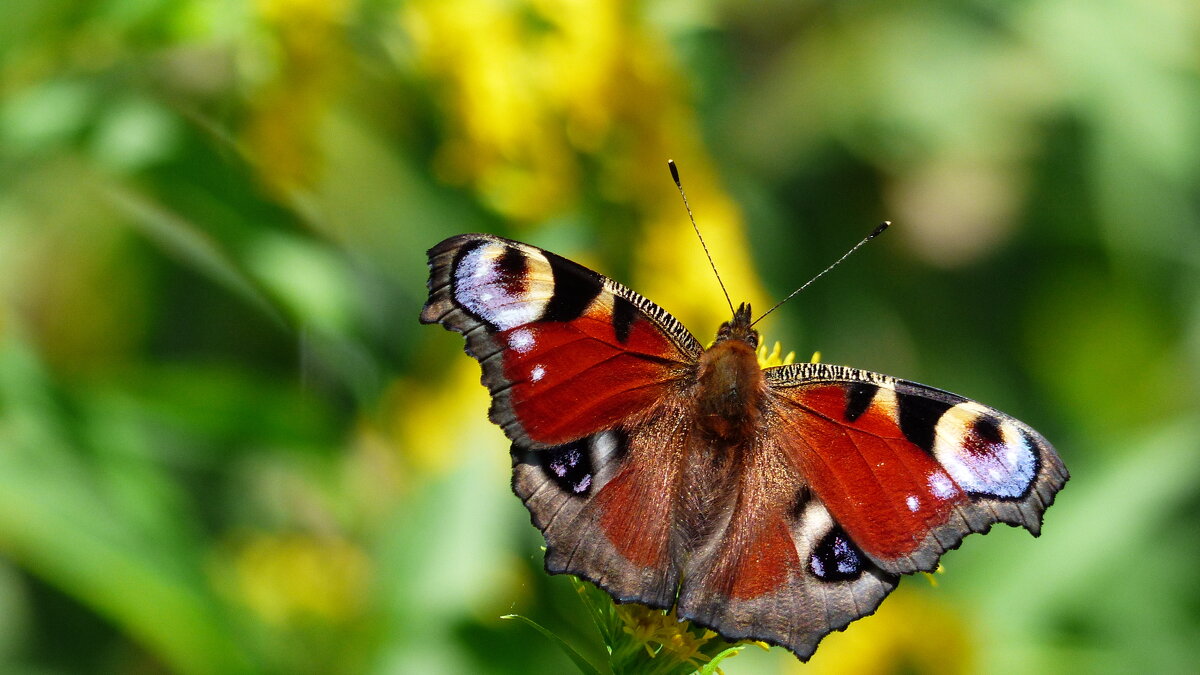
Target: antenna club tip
column 879, row 230
column 674, row 170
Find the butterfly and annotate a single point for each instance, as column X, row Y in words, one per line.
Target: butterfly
column 774, row 504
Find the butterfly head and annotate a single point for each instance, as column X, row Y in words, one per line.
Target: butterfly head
column 739, row 327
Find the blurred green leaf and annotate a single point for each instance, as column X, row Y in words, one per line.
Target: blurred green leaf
column 576, row 657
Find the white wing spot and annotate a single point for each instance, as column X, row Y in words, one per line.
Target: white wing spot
column 537, row 373
column 521, row 340
column 913, row 503
column 941, row 485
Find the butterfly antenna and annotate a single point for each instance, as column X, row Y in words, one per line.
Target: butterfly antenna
column 874, row 233
column 675, row 175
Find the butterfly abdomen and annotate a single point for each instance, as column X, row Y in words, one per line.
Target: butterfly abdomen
column 729, row 391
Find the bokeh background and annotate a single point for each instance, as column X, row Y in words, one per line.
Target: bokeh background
column 226, row 445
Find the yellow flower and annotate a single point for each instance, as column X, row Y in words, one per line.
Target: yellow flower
column 435, row 424
column 643, row 624
column 772, row 358
column 662, row 632
column 685, row 646
column 306, row 39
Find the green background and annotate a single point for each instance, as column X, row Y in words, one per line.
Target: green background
column 226, row 445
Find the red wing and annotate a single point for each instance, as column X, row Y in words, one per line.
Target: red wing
column 565, row 352
column 909, row 470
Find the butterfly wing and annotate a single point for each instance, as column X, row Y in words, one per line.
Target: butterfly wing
column 606, row 505
column 779, row 569
column 908, row 470
column 855, row 479
column 585, row 377
column 565, row 351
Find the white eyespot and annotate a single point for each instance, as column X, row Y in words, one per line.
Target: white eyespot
column 504, row 299
column 537, row 373
column 1003, row 466
column 814, row 523
column 913, row 503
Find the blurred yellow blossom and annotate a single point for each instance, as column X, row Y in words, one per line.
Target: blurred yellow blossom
column 288, row 578
column 430, row 423
column 530, row 88
column 307, row 43
column 910, row 632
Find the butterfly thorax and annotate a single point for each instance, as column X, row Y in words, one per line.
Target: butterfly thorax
column 730, row 383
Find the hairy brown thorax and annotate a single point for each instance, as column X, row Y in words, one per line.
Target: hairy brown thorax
column 731, row 384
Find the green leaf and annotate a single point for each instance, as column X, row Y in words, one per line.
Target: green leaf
column 580, row 662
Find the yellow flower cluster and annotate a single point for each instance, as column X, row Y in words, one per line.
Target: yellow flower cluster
column 527, row 85
column 663, row 633
column 918, row 630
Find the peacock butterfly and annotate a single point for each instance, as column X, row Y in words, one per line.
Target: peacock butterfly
column 774, row 504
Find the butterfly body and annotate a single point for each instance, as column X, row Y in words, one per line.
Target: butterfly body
column 777, row 504
column 729, row 384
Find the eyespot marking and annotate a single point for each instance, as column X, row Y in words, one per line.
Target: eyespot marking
column 985, row 455
column 569, row 466
column 492, row 281
column 836, row 558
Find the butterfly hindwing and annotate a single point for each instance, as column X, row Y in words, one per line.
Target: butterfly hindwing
column 779, row 569
column 565, row 351
column 606, row 506
column 908, row 470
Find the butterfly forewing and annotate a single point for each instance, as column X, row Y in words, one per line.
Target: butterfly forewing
column 906, row 469
column 565, row 352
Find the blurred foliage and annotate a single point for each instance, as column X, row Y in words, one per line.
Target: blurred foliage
column 227, row 446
